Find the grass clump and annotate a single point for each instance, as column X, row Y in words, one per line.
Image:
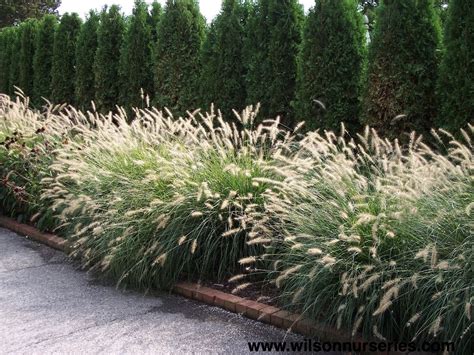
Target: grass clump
column 148, row 202
column 364, row 233
column 374, row 237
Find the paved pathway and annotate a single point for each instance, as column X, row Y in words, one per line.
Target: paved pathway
column 49, row 306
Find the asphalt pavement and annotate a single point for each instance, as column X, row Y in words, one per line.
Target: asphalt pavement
column 48, row 305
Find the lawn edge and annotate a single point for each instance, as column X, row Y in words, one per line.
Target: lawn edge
column 257, row 311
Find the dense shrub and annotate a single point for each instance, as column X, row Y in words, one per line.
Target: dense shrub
column 6, row 36
column 273, row 37
column 86, row 49
column 154, row 20
column 331, row 65
column 137, row 71
column 374, row 236
column 43, row 59
column 177, row 64
column 63, row 71
column 456, row 84
column 27, row 50
column 223, row 72
column 14, row 70
column 107, row 58
column 402, row 70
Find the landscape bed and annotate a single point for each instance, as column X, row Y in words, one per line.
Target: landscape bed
column 354, row 230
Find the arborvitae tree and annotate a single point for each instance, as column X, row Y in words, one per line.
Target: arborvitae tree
column 177, row 64
column 5, row 52
column 223, row 73
column 256, row 56
column 43, row 58
column 85, row 53
column 154, row 20
column 456, row 84
column 107, row 59
column 331, row 65
column 28, row 38
column 274, row 35
column 63, row 74
column 137, row 73
column 14, row 71
column 285, row 20
column 402, row 73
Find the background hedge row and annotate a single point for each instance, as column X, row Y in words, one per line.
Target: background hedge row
column 322, row 68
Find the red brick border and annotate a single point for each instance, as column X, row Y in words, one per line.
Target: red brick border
column 250, row 309
column 30, row 232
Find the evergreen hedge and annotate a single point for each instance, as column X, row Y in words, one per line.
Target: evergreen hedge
column 43, row 59
column 285, row 25
column 257, row 42
column 14, row 71
column 223, row 73
column 154, row 20
column 136, row 71
column 403, row 63
column 331, row 65
column 5, row 54
column 85, row 53
column 28, row 37
column 177, row 64
column 273, row 37
column 456, row 84
column 107, row 59
column 63, row 72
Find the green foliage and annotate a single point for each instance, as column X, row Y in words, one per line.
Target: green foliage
column 402, row 71
column 223, row 72
column 137, row 72
column 256, row 55
column 27, row 51
column 177, row 64
column 6, row 38
column 285, row 24
column 63, row 72
column 154, row 20
column 456, row 84
column 331, row 65
column 107, row 59
column 43, row 59
column 14, row 12
column 86, row 49
column 273, row 38
column 14, row 71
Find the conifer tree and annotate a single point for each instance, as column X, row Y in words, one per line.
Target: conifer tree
column 43, row 59
column 63, row 73
column 286, row 20
column 223, row 74
column 154, row 20
column 456, row 84
column 14, row 71
column 177, row 63
column 136, row 71
column 5, row 54
column 331, row 65
column 85, row 53
column 274, row 36
column 403, row 63
column 256, row 56
column 107, row 59
column 28, row 37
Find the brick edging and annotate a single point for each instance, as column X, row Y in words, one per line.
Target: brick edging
column 232, row 303
column 31, row 232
